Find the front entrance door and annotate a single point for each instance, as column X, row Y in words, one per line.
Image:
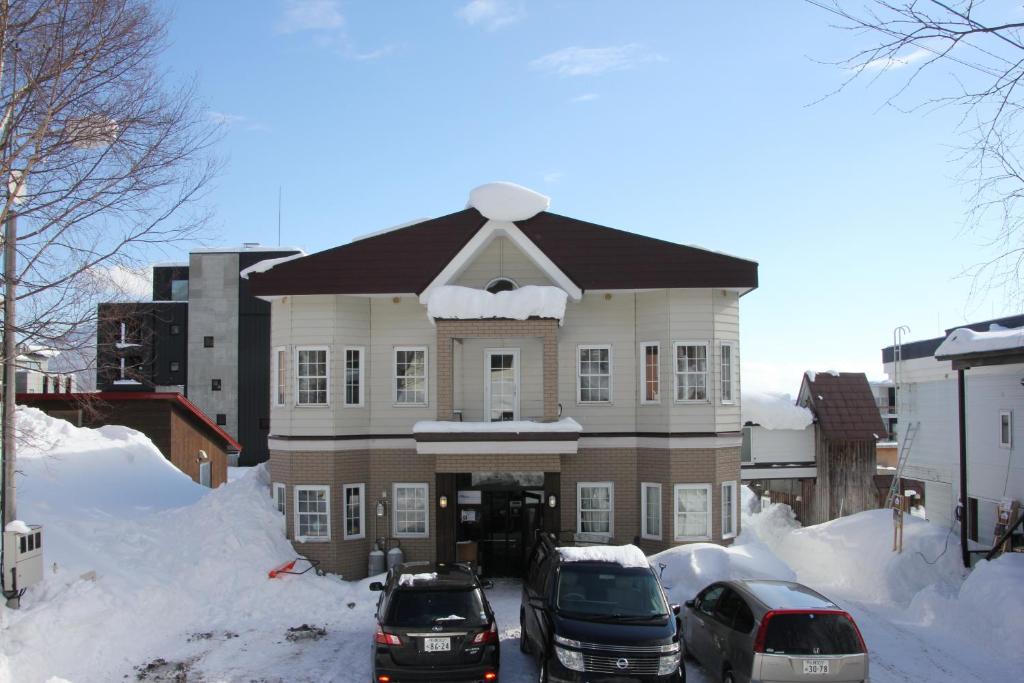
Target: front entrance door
column 509, row 520
column 501, row 385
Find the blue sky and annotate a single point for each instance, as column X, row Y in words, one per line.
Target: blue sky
column 693, row 122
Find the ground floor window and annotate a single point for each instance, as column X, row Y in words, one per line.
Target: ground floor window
column 312, row 513
column 355, row 510
column 692, row 512
column 410, row 511
column 279, row 501
column 729, row 509
column 594, row 502
column 650, row 505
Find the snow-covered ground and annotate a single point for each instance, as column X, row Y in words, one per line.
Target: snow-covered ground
column 150, row 575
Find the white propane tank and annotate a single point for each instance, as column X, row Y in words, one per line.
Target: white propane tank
column 376, row 565
column 395, row 557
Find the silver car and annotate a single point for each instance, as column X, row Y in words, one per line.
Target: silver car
column 757, row 631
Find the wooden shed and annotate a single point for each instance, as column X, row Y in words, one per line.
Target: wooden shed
column 183, row 434
column 847, row 427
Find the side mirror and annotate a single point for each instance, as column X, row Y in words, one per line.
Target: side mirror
column 688, row 603
column 487, row 583
column 676, row 609
column 376, row 586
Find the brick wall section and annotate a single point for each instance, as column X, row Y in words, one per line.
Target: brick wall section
column 447, row 330
column 524, row 462
column 603, row 464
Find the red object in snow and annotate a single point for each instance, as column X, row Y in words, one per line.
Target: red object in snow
column 281, row 569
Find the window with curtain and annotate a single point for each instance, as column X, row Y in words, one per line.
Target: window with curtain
column 693, row 511
column 594, row 507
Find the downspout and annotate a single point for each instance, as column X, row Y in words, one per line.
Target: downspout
column 964, row 507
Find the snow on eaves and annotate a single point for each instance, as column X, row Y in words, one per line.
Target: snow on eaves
column 964, row 340
column 566, row 424
column 266, row 264
column 17, row 526
column 622, row 555
column 467, row 303
column 502, row 201
column 774, row 411
column 384, row 231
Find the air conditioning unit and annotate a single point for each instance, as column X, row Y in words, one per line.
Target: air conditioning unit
column 23, row 558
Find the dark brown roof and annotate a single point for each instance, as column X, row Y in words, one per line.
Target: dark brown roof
column 592, row 256
column 844, row 405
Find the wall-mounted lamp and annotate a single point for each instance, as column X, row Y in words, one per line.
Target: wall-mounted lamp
column 552, row 501
column 443, row 502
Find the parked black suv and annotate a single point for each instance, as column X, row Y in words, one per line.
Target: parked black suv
column 434, row 624
column 598, row 614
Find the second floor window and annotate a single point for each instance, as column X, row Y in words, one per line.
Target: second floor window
column 311, row 377
column 411, row 375
column 277, row 376
column 650, row 387
column 727, row 371
column 594, row 374
column 353, row 377
column 691, row 371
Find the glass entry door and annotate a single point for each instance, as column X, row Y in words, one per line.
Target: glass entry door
column 501, row 384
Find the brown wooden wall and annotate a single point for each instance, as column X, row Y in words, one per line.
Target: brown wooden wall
column 186, row 442
column 846, row 479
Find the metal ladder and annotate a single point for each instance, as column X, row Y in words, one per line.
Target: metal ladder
column 901, row 461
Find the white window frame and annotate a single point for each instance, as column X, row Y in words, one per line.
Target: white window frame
column 732, row 372
column 644, row 401
column 278, row 492
column 345, row 488
column 394, row 377
column 327, row 368
column 677, row 535
column 488, row 353
column 644, row 531
column 611, row 374
column 362, row 377
column 735, row 509
column 611, row 509
column 278, row 389
column 295, row 505
column 394, row 509
column 675, row 372
column 1008, row 414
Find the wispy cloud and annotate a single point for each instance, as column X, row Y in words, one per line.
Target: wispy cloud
column 372, row 54
column 592, row 61
column 490, row 14
column 234, row 120
column 886, row 63
column 123, row 283
column 553, row 176
column 585, row 97
column 310, row 15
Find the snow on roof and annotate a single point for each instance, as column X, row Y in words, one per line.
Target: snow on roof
column 410, row 579
column 266, row 264
column 18, row 527
column 965, row 340
column 248, row 247
column 622, row 555
column 466, row 303
column 502, row 201
column 774, row 411
column 566, row 424
column 171, row 264
column 384, row 231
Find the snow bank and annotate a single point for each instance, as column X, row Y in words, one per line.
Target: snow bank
column 965, row 340
column 689, row 568
column 774, row 411
column 622, row 555
column 502, row 201
column 266, row 264
column 467, row 303
column 565, row 424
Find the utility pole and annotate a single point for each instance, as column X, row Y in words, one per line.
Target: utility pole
column 10, row 511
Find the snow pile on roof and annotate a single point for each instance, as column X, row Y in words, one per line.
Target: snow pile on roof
column 131, row 577
column 622, row 555
column 410, row 579
column 965, row 340
column 467, row 303
column 504, row 201
column 17, row 526
column 565, row 424
column 266, row 264
column 774, row 411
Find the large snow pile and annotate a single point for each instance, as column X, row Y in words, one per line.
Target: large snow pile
column 565, row 424
column 966, row 340
column 622, row 555
column 774, row 411
column 689, row 568
column 502, row 201
column 467, row 303
column 131, row 577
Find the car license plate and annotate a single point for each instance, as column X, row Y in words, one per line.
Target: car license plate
column 816, row 666
column 437, row 644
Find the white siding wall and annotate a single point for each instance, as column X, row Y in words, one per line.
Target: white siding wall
column 781, row 445
column 393, row 325
column 469, row 383
column 501, row 258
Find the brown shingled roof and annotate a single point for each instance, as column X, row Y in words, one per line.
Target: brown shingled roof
column 844, row 405
column 591, row 255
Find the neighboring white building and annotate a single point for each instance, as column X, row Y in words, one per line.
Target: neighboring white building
column 778, row 438
column 927, row 397
column 33, row 374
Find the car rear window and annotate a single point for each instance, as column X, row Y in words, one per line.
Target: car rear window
column 806, row 633
column 428, row 608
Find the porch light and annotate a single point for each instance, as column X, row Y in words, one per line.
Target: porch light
column 552, row 501
column 443, row 502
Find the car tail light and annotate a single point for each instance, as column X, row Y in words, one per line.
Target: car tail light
column 762, row 632
column 856, row 629
column 488, row 636
column 382, row 638
column 490, row 676
column 383, row 679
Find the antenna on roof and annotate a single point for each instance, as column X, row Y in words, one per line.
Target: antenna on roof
column 278, row 215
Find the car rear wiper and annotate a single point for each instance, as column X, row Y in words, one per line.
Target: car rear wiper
column 453, row 617
column 637, row 617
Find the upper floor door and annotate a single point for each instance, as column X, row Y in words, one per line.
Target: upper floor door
column 501, row 385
